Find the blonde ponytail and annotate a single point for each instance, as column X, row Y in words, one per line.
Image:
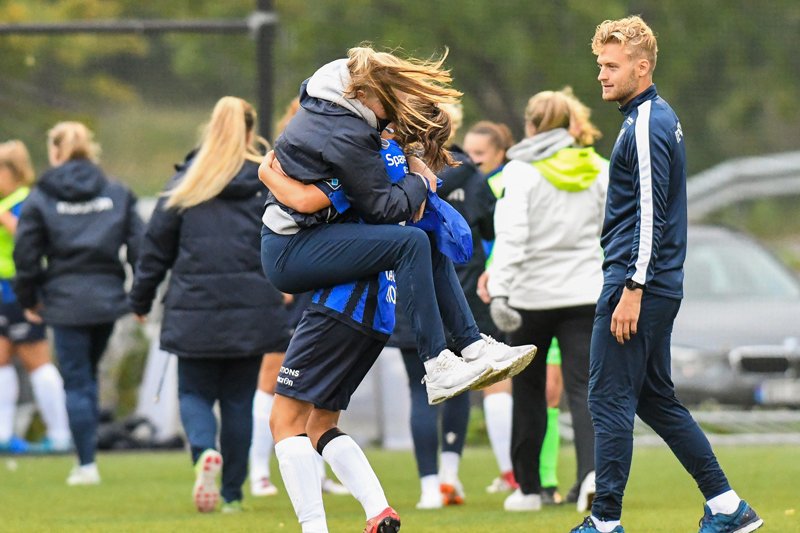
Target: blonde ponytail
column 73, row 140
column 228, row 140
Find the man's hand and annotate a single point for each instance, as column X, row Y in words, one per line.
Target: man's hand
column 483, row 288
column 506, row 318
column 625, row 319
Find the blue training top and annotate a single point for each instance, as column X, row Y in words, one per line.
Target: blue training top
column 368, row 304
column 644, row 232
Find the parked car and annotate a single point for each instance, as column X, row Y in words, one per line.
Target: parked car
column 737, row 336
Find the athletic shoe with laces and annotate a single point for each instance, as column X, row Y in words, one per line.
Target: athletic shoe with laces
column 84, row 475
column 503, row 483
column 586, row 493
column 519, row 502
column 452, row 493
column 329, row 486
column 205, row 492
column 450, row 375
column 743, row 520
column 262, row 487
column 386, row 522
column 505, row 361
column 588, row 526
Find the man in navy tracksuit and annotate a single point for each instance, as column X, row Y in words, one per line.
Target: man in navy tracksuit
column 644, row 239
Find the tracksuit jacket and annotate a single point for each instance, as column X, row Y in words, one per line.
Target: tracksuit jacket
column 68, row 242
column 644, row 233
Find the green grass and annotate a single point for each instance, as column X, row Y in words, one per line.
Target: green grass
column 151, row 492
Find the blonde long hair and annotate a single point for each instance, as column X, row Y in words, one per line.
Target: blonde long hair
column 424, row 84
column 73, row 140
column 548, row 110
column 227, row 141
column 14, row 156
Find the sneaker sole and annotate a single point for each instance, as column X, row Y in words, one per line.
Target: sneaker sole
column 516, row 366
column 388, row 525
column 446, row 394
column 205, row 492
column 750, row 527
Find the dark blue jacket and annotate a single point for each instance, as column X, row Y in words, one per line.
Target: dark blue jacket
column 67, row 245
column 218, row 303
column 325, row 141
column 644, row 233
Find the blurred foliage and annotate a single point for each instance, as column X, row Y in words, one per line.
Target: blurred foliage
column 732, row 77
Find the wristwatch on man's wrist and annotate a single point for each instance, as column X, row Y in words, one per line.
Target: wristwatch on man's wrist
column 632, row 285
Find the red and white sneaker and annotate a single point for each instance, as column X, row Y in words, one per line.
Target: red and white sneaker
column 262, row 487
column 206, row 492
column 386, row 522
column 504, row 483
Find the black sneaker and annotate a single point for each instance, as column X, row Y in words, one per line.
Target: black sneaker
column 550, row 496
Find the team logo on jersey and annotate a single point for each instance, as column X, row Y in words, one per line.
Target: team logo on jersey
column 97, row 205
column 678, row 133
column 458, row 195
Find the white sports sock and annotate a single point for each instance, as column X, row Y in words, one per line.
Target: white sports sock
column 48, row 389
column 448, row 467
column 725, row 503
column 497, row 410
column 9, row 391
column 261, row 443
column 297, row 462
column 471, row 352
column 351, row 466
column 605, row 527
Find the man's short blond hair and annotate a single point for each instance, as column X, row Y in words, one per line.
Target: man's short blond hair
column 632, row 33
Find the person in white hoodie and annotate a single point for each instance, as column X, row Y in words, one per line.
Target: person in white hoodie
column 546, row 276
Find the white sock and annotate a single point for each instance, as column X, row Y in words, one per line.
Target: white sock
column 725, row 503
column 261, row 443
column 471, row 352
column 429, row 484
column 448, row 467
column 497, row 410
column 297, row 462
column 48, row 389
column 605, row 527
column 321, row 472
column 351, row 466
column 9, row 391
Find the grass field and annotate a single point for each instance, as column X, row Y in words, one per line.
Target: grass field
column 150, row 492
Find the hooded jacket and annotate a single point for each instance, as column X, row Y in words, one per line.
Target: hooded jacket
column 67, row 245
column 336, row 140
column 547, row 251
column 219, row 302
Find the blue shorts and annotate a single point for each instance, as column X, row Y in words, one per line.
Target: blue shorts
column 15, row 328
column 326, row 361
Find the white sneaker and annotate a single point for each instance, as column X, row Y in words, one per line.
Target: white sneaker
column 329, row 486
column 262, row 487
column 205, row 491
column 84, row 475
column 516, row 501
column 586, row 493
column 449, row 375
column 506, row 361
column 503, row 483
column 430, row 500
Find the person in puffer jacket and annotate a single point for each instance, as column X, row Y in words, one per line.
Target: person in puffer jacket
column 221, row 314
column 69, row 273
column 546, row 277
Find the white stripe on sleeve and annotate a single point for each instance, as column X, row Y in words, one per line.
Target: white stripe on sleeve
column 645, row 193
